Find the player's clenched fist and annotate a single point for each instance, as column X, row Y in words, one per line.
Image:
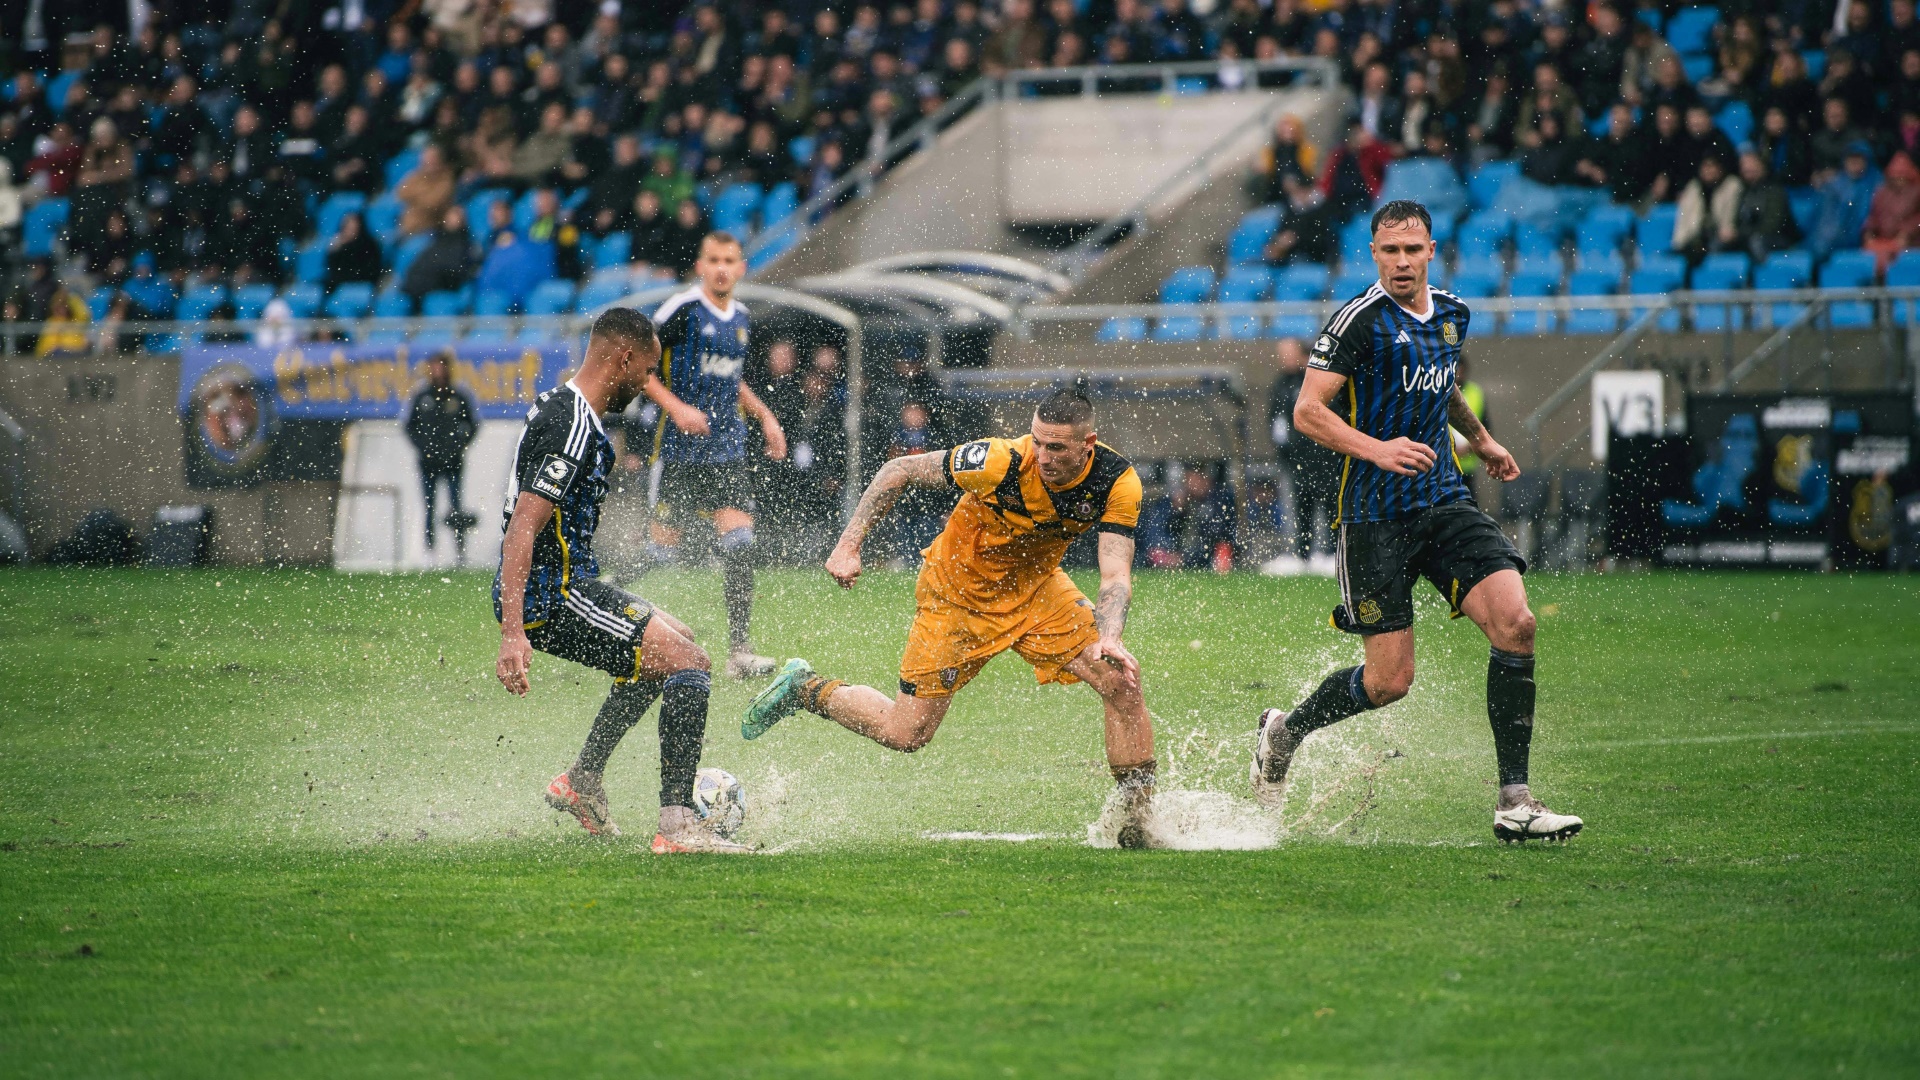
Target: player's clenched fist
column 844, row 566
column 515, row 656
column 1500, row 463
column 1405, row 457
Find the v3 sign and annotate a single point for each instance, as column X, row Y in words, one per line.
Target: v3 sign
column 1627, row 402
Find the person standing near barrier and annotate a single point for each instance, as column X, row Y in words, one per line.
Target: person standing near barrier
column 1313, row 470
column 441, row 422
column 1381, row 389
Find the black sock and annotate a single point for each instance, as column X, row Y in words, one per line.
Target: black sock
column 1510, row 710
column 683, row 728
column 623, row 708
column 1343, row 694
column 736, row 568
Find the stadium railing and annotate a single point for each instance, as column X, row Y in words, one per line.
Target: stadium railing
column 1201, row 77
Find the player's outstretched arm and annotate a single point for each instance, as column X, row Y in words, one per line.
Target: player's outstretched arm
column 684, row 416
column 770, row 428
column 1500, row 463
column 530, row 514
column 1116, row 595
column 1313, row 416
column 915, row 470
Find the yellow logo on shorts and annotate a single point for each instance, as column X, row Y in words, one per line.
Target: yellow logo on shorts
column 1368, row 611
column 1450, row 332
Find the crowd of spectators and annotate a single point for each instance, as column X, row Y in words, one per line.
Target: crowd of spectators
column 1776, row 124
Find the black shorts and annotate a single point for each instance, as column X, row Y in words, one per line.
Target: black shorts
column 683, row 490
column 597, row 625
column 1455, row 546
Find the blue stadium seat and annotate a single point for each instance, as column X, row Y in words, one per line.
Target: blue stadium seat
column 1698, row 68
column 1302, row 281
column 40, row 226
column 1849, row 270
column 249, row 300
column 1475, row 284
column 431, row 340
column 152, row 295
column 1188, row 285
column 1128, row 329
column 1249, row 238
column 1736, row 119
column 1356, row 242
column 1353, row 281
column 734, row 206
column 1483, row 235
column 56, row 91
column 1654, row 233
column 1604, row 228
column 599, row 292
column 383, row 219
column 1549, row 265
column 1690, row 31
column 614, row 250
column 399, row 165
column 1658, row 275
column 392, row 304
column 99, row 300
column 1241, row 285
column 1487, row 180
column 477, row 207
column 1905, row 274
column 1531, row 322
column 1711, row 276
column 801, row 149
column 350, row 301
column 490, row 304
column 1805, row 204
column 1816, row 61
column 1592, row 320
column 1180, row 328
column 303, row 299
column 310, row 266
column 1531, row 240
column 1607, row 263
column 337, row 206
column 781, row 203
column 384, row 337
column 1429, row 181
column 490, row 335
column 1727, row 263
column 444, row 304
column 553, row 297
column 1784, row 270
column 199, row 302
column 408, row 250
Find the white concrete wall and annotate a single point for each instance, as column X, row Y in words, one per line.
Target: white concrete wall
column 382, row 510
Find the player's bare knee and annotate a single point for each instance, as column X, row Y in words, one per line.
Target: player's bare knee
column 694, row 657
column 1389, row 684
column 1519, row 632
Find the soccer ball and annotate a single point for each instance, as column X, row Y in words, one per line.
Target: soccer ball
column 719, row 800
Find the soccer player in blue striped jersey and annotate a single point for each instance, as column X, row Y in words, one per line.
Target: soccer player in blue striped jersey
column 1381, row 389
column 700, row 446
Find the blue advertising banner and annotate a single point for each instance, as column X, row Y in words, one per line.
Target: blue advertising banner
column 338, row 381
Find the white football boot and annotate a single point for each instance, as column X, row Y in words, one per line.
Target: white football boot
column 1533, row 821
column 749, row 665
column 1273, row 747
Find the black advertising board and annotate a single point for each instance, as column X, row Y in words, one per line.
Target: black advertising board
column 1789, row 480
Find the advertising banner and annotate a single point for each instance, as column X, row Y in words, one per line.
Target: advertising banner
column 1790, row 480
column 244, row 406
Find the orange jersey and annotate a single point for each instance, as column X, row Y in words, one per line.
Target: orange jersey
column 1010, row 530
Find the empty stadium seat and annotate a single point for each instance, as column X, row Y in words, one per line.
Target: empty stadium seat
column 1487, row 181
column 1188, row 285
column 734, row 207
column 1356, row 241
column 392, row 304
column 1592, row 320
column 444, row 304
column 477, row 208
column 551, row 298
column 152, row 295
column 1736, row 119
column 601, row 291
column 1849, row 270
column 383, row 219
column 350, row 301
column 1784, row 270
column 199, row 302
column 1428, row 181
column 100, row 300
column 1690, row 30
column 1549, row 265
column 250, row 300
column 1805, row 204
column 1242, row 285
column 1531, row 322
column 1733, row 264
column 310, row 266
column 491, row 304
column 1905, row 274
column 1483, row 235
column 1711, row 276
column 613, row 250
column 303, row 299
column 1531, row 240
column 1475, row 283
column 1605, row 262
column 1302, row 281
column 780, row 204
column 1249, row 238
column 1698, row 68
column 408, row 250
column 1131, row 328
column 399, row 165
column 1604, row 228
column 1353, row 281
column 1654, row 232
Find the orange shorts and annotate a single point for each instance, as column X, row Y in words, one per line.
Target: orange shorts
column 948, row 645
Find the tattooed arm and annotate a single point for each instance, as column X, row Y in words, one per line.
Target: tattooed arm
column 918, row 470
column 1500, row 463
column 1116, row 594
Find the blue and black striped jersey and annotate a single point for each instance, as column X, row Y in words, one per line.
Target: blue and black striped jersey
column 703, row 352
column 1400, row 372
column 564, row 457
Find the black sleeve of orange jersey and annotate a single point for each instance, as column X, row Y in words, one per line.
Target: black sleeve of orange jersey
column 1345, row 343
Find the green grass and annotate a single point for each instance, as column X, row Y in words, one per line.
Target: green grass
column 286, row 824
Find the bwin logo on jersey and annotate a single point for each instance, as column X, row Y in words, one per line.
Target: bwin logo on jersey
column 1432, row 380
column 714, row 365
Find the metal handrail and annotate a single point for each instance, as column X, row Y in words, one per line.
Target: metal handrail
column 921, row 135
column 1767, row 348
column 1572, row 387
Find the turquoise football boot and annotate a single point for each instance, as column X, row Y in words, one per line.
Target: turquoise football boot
column 778, row 701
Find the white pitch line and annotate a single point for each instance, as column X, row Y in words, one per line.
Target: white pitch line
column 1758, row 736
column 1005, row 837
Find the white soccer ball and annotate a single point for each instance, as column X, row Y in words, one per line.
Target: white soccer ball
column 719, row 800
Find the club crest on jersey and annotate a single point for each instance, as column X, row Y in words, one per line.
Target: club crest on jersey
column 741, row 333
column 1450, row 333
